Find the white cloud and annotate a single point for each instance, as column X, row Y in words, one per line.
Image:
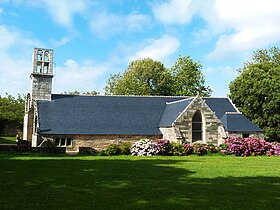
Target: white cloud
column 105, row 25
column 252, row 24
column 15, row 64
column 1, row 10
column 61, row 42
column 74, row 76
column 225, row 71
column 62, row 11
column 158, row 49
column 174, row 11
column 237, row 25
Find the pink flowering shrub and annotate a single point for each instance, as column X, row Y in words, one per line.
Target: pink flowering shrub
column 163, row 146
column 249, row 147
column 274, row 149
column 200, row 149
column 189, row 149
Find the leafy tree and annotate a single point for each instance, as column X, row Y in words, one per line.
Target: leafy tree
column 142, row 77
column 188, row 79
column 256, row 91
column 149, row 77
column 11, row 112
column 92, row 93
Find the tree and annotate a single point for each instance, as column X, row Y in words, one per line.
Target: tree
column 188, row 79
column 256, row 91
column 92, row 93
column 11, row 113
column 142, row 77
column 149, row 77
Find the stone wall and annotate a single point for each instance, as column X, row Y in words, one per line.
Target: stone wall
column 101, row 142
column 210, row 124
column 41, row 86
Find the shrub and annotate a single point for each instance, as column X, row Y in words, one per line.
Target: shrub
column 144, row 147
column 200, row 149
column 113, row 149
column 125, row 148
column 250, row 147
column 188, row 149
column 211, row 149
column 274, row 149
column 177, row 149
column 163, row 147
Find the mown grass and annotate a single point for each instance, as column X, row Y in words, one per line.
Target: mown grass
column 7, row 140
column 126, row 182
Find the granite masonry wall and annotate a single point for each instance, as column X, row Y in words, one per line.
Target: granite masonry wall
column 213, row 131
column 101, row 142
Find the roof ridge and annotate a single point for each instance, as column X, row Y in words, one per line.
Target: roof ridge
column 181, row 100
column 233, row 113
column 150, row 96
column 214, row 97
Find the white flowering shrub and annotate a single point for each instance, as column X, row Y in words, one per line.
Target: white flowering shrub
column 144, row 147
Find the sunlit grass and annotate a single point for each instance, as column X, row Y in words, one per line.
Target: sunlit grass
column 7, row 140
column 126, row 182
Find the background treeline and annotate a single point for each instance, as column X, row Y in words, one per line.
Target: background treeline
column 11, row 114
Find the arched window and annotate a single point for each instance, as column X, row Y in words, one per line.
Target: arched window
column 196, row 127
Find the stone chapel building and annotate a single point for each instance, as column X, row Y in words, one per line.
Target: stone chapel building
column 75, row 121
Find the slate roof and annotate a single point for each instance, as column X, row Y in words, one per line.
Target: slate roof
column 220, row 105
column 73, row 114
column 172, row 111
column 131, row 115
column 237, row 122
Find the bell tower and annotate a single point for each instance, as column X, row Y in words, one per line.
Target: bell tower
column 42, row 74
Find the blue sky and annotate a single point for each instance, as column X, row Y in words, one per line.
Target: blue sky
column 95, row 38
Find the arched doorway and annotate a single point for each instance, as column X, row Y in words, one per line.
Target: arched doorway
column 197, row 127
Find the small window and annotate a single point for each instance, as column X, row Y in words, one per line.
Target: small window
column 196, row 127
column 68, row 142
column 57, row 141
column 63, row 142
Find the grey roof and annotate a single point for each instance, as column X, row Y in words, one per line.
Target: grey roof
column 237, row 122
column 220, row 105
column 72, row 114
column 139, row 115
column 172, row 111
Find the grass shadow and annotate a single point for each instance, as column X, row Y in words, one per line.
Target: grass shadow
column 127, row 183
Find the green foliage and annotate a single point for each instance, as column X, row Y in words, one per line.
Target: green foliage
column 91, row 93
column 256, row 91
column 149, row 77
column 177, row 149
column 113, row 149
column 125, row 148
column 188, row 79
column 11, row 111
column 142, row 77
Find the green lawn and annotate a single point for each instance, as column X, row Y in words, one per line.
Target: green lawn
column 7, row 140
column 192, row 182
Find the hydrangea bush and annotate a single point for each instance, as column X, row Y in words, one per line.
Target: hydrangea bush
column 144, row 147
column 232, row 146
column 250, row 147
column 163, row 147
